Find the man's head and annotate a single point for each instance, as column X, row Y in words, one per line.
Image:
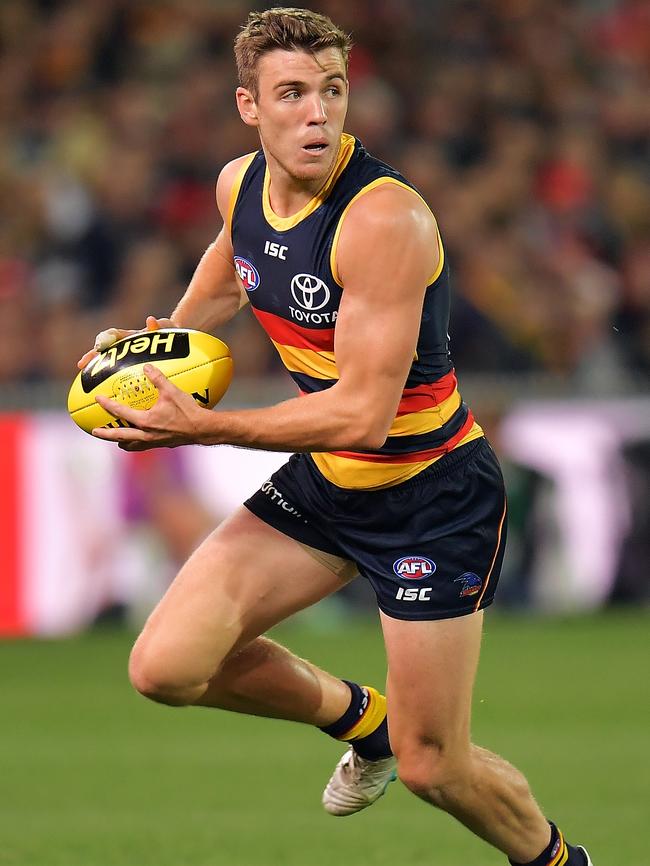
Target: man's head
column 292, row 67
column 288, row 29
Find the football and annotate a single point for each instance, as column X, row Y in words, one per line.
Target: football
column 197, row 363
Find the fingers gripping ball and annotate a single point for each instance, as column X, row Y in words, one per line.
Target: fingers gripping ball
column 197, row 363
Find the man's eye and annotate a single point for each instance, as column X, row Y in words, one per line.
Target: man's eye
column 291, row 95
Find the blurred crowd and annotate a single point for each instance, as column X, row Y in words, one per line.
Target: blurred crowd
column 524, row 123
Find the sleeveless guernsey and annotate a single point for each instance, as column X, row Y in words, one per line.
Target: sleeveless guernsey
column 287, row 266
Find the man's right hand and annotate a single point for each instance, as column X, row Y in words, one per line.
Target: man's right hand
column 106, row 338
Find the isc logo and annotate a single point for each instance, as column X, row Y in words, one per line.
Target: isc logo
column 414, row 567
column 414, row 593
column 276, row 250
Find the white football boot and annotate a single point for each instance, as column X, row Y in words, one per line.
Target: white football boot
column 357, row 783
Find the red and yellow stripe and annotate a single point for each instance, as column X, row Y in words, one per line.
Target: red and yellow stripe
column 426, row 420
column 291, row 334
column 422, row 409
column 320, row 365
column 428, row 395
column 374, row 472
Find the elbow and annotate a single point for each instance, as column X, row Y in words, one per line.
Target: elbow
column 370, row 442
column 369, row 436
column 362, row 421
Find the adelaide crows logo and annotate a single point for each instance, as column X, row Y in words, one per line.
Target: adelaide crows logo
column 470, row 583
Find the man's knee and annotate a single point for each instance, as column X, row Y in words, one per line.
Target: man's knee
column 155, row 676
column 430, row 770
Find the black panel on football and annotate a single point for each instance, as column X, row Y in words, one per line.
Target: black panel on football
column 157, row 347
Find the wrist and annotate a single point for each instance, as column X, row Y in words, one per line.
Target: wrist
column 206, row 432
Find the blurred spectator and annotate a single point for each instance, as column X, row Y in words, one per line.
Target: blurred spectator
column 526, row 125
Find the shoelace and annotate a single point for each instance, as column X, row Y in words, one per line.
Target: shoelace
column 356, row 766
column 353, row 768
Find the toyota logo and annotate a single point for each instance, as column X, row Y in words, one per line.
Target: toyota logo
column 309, row 292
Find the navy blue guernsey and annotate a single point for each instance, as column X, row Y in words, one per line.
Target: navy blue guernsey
column 287, row 266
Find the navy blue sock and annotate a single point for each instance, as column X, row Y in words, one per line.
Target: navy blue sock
column 376, row 745
column 358, row 702
column 366, row 713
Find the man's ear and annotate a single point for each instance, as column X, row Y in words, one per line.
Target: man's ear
column 247, row 106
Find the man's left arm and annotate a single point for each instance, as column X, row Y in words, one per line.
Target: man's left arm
column 387, row 252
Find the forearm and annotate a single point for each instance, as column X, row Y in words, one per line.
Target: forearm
column 212, row 298
column 324, row 421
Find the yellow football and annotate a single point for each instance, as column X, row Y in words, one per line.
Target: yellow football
column 197, row 363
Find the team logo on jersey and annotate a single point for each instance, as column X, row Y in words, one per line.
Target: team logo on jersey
column 470, row 584
column 247, row 273
column 414, row 567
column 309, row 292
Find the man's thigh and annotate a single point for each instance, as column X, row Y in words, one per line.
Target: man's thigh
column 243, row 579
column 431, row 671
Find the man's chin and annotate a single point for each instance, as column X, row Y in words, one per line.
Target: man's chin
column 313, row 171
column 311, row 174
column 304, row 169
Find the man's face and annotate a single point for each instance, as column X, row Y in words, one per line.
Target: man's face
column 299, row 110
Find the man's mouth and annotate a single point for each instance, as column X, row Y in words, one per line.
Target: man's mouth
column 315, row 147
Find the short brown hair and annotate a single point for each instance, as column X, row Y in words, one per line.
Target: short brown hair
column 285, row 28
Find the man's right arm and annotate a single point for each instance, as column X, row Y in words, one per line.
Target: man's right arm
column 214, row 294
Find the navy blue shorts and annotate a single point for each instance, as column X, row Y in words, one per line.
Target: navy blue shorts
column 431, row 547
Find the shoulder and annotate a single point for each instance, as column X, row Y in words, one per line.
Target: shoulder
column 229, row 181
column 384, row 225
column 389, row 205
column 388, row 229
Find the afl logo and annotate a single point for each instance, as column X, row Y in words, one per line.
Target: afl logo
column 309, row 292
column 414, row 567
column 247, row 273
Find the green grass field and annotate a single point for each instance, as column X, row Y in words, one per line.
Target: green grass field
column 92, row 774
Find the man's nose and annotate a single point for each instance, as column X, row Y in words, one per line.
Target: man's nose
column 317, row 112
